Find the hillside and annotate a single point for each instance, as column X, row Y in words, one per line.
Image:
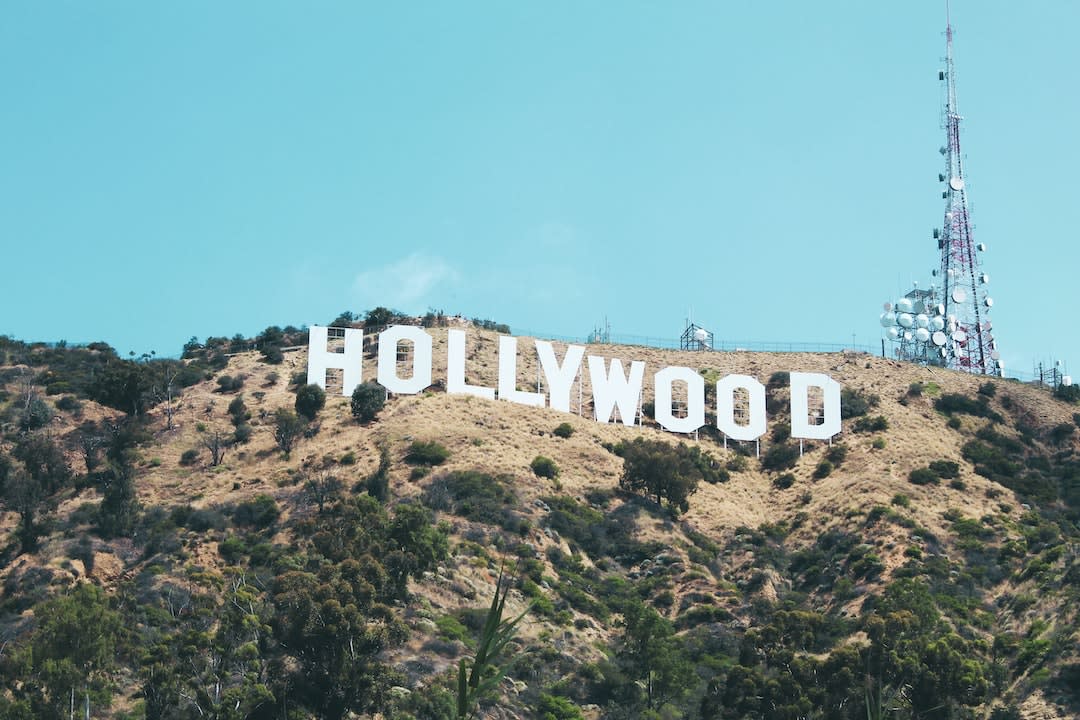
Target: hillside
column 922, row 564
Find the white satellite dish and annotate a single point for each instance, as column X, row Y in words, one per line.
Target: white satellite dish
column 701, row 335
column 989, row 302
column 922, row 334
column 904, row 305
column 958, row 295
column 888, row 307
column 1066, row 380
column 893, row 333
column 905, row 320
column 995, row 355
column 939, row 338
column 937, row 323
column 919, row 306
column 907, row 335
column 940, row 309
column 988, row 325
column 981, row 247
column 922, row 320
column 956, row 183
column 984, row 278
column 959, row 336
column 943, row 352
column 888, row 319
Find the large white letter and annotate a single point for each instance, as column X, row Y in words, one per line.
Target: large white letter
column 455, row 369
column 725, row 407
column 614, row 390
column 800, row 412
column 319, row 359
column 508, row 375
column 560, row 379
column 695, row 399
column 421, row 370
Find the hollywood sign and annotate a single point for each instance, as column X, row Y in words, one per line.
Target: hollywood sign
column 612, row 388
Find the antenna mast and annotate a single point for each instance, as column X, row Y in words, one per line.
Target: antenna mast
column 969, row 345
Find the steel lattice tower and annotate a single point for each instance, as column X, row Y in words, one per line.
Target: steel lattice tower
column 970, row 347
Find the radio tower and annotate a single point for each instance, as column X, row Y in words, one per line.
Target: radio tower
column 968, row 346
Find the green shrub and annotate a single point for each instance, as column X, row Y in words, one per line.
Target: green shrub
column 901, row 500
column 348, row 458
column 878, row 443
column 988, row 389
column 228, row 383
column 69, row 403
column 783, row 482
column 368, row 400
column 915, row 389
column 780, row 456
column 232, row 548
column 426, row 453
column 242, row 433
column 837, row 454
column 923, row 476
column 878, row 423
column 854, row 403
column 310, row 399
column 553, row 707
column 945, row 469
column 954, row 403
column 189, row 457
column 823, row 470
column 261, row 511
column 544, row 467
column 954, row 423
column 564, row 430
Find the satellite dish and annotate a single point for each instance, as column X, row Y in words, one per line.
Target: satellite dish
column 893, row 333
column 951, row 273
column 904, row 305
column 956, row 183
column 907, row 335
column 988, row 325
column 888, row 307
column 981, row 247
column 943, row 352
column 984, row 278
column 888, row 319
column 940, row 309
column 995, row 355
column 919, row 306
column 922, row 321
column 958, row 295
column 959, row 336
column 701, row 335
column 989, row 302
column 937, row 323
column 922, row 334
column 1066, row 380
column 939, row 338
column 905, row 320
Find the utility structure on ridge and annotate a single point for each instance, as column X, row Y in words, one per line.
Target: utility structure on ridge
column 970, row 345
column 949, row 324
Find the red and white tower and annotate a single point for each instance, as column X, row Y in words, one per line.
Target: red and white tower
column 968, row 343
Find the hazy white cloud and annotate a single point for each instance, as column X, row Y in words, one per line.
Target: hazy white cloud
column 407, row 284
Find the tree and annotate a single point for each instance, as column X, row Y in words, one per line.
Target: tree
column 24, row 495
column 36, row 414
column 218, row 442
column 322, row 489
column 287, row 428
column 664, row 471
column 367, row 400
column 310, row 399
column 91, row 439
column 74, row 649
column 651, row 654
column 44, row 461
column 380, row 316
column 119, row 504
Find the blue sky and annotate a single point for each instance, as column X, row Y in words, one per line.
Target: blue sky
column 198, row 168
